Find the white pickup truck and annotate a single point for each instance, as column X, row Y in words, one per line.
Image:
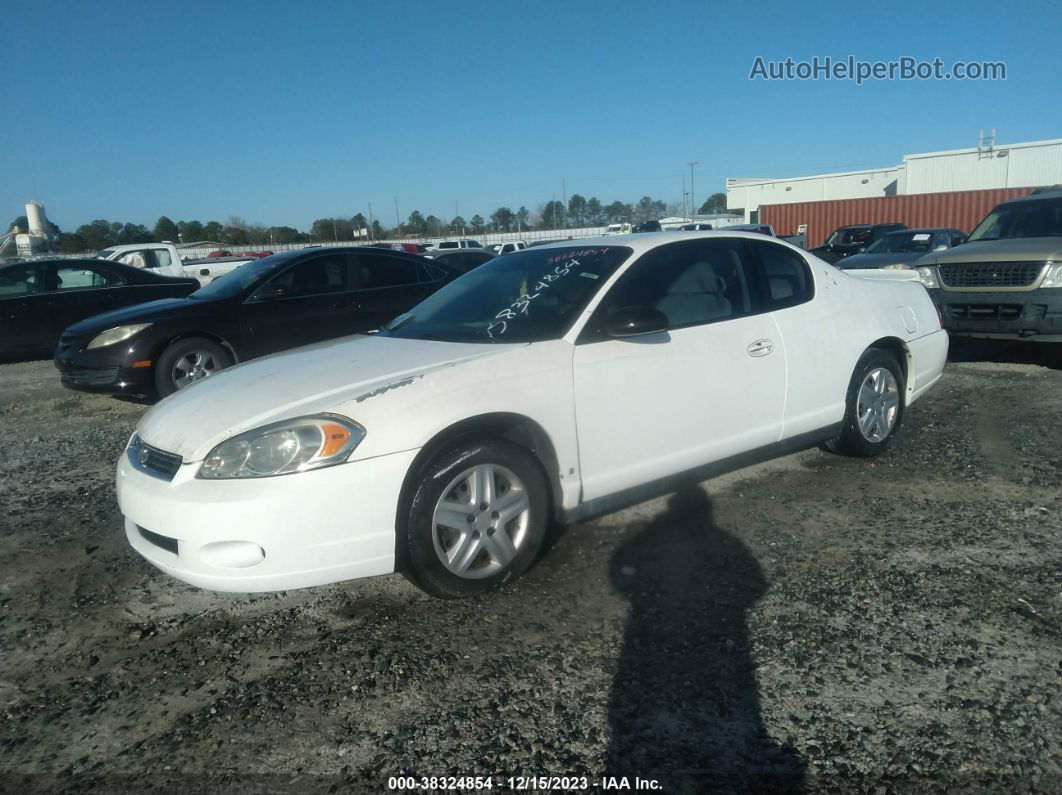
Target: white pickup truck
column 165, row 259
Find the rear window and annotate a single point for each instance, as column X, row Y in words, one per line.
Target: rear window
column 787, row 275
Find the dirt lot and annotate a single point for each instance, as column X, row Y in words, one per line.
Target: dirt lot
column 814, row 623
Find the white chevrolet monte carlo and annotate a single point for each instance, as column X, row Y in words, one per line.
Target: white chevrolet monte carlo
column 554, row 383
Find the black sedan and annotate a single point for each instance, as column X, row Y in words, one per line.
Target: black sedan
column 279, row 302
column 40, row 298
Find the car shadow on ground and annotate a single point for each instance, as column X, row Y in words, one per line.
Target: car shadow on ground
column 685, row 705
column 1044, row 354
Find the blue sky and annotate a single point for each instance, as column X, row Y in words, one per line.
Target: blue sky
column 282, row 112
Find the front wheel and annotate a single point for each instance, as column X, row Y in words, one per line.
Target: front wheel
column 476, row 519
column 874, row 406
column 187, row 361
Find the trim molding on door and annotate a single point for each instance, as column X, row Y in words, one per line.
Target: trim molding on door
column 671, row 483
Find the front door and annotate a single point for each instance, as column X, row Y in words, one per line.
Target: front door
column 710, row 387
column 313, row 300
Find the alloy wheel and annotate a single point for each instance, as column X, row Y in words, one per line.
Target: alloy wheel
column 878, row 405
column 480, row 521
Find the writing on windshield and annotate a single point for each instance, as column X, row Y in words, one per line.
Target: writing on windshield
column 565, row 263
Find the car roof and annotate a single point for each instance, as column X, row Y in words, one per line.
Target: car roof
column 1047, row 195
column 924, row 229
column 646, row 241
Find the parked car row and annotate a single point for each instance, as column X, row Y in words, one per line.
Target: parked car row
column 272, row 304
column 1002, row 281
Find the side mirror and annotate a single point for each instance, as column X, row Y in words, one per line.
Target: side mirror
column 204, row 271
column 272, row 292
column 633, row 321
column 941, row 247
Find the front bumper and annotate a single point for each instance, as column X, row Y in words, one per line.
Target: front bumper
column 1036, row 314
column 266, row 534
column 106, row 370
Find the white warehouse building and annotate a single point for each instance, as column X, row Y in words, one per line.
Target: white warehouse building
column 980, row 168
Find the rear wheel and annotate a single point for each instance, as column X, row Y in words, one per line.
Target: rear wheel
column 874, row 406
column 187, row 361
column 476, row 519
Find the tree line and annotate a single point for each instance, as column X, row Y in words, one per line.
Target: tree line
column 551, row 215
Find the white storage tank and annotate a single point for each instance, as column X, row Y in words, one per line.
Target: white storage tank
column 38, row 223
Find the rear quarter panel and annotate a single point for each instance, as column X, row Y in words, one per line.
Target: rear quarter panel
column 824, row 338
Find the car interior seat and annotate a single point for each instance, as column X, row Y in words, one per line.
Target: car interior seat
column 697, row 295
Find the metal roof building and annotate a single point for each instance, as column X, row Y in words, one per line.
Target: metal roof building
column 988, row 166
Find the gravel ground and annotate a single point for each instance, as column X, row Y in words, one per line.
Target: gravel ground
column 815, row 623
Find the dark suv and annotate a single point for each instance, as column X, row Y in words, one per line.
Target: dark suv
column 1006, row 281
column 848, row 240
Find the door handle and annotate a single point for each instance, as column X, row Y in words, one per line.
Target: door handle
column 761, row 347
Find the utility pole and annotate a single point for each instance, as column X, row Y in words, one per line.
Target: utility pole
column 693, row 199
column 564, row 200
column 684, row 205
column 372, row 239
column 457, row 214
column 398, row 218
column 335, row 234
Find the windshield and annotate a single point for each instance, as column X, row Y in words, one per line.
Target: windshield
column 239, row 279
column 526, row 296
column 902, row 243
column 105, row 254
column 1022, row 219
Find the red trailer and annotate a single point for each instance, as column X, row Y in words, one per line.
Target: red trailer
column 959, row 209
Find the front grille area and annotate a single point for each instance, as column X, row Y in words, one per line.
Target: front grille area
column 990, row 274
column 153, row 461
column 983, row 311
column 90, row 376
column 162, row 542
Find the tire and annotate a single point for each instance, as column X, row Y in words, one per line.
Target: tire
column 456, row 540
column 874, row 406
column 197, row 357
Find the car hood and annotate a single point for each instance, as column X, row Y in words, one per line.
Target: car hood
column 1022, row 249
column 877, row 260
column 150, row 312
column 310, row 380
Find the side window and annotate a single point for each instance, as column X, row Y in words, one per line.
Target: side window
column 787, row 276
column 19, row 280
column 315, row 276
column 141, row 258
column 692, row 283
column 375, row 271
column 83, row 278
column 162, row 258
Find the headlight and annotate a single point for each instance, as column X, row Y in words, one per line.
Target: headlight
column 899, row 266
column 115, row 335
column 284, row 447
column 1053, row 277
column 928, row 275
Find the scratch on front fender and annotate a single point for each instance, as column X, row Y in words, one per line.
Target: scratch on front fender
column 387, row 388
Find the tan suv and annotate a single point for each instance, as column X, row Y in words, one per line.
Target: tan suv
column 1006, row 281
